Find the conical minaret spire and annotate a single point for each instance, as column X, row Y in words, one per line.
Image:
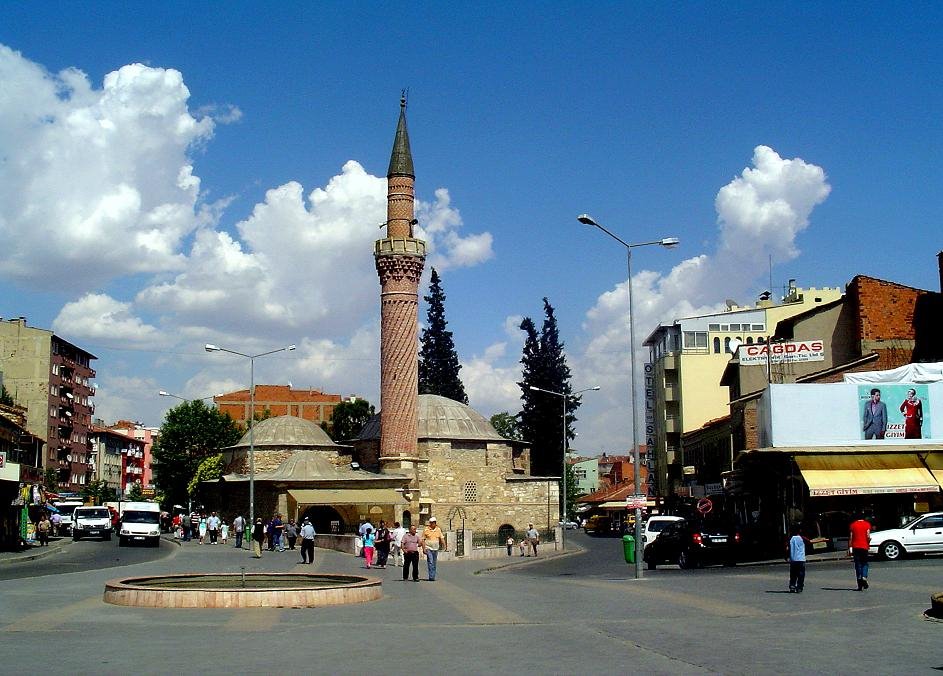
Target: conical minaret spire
column 399, row 260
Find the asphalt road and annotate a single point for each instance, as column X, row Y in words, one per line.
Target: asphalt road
column 577, row 614
column 86, row 554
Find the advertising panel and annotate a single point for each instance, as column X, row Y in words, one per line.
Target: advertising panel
column 848, row 414
column 894, row 411
column 782, row 353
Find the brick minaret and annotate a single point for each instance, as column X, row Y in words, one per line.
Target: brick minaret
column 399, row 258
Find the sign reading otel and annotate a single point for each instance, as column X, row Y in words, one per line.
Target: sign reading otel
column 782, row 353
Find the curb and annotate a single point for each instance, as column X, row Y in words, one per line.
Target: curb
column 32, row 556
column 572, row 550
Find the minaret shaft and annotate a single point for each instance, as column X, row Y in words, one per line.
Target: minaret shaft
column 399, row 260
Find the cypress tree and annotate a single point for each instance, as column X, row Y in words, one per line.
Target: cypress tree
column 438, row 361
column 544, row 366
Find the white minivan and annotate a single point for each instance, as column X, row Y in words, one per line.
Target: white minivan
column 91, row 522
column 140, row 522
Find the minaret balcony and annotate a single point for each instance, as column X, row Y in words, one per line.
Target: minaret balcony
column 392, row 246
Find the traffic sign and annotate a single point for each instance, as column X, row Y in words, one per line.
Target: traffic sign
column 636, row 501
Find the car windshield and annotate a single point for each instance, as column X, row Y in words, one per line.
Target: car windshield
column 66, row 510
column 92, row 514
column 657, row 526
column 134, row 516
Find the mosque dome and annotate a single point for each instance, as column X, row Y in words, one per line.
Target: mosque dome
column 286, row 431
column 442, row 418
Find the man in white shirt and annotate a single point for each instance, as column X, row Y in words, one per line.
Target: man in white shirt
column 307, row 541
column 212, row 525
column 239, row 526
column 396, row 545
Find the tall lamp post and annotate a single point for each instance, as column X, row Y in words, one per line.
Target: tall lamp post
column 563, row 468
column 251, row 421
column 668, row 243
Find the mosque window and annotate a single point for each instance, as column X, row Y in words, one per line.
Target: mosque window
column 470, row 491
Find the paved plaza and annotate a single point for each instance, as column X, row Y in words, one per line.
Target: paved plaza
column 579, row 613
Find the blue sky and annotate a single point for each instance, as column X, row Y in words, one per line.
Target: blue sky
column 146, row 210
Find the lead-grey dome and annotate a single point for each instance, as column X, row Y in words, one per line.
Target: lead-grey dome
column 442, row 418
column 286, row 430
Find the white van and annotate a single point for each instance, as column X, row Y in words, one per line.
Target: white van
column 140, row 522
column 66, row 508
column 91, row 521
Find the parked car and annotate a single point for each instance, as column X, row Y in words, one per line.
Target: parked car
column 91, row 522
column 569, row 525
column 597, row 525
column 922, row 535
column 693, row 543
column 655, row 525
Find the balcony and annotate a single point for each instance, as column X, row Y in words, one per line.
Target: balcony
column 672, row 393
column 672, row 424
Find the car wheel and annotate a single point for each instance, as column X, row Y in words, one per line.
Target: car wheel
column 684, row 560
column 892, row 550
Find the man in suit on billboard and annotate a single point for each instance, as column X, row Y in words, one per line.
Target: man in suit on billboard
column 875, row 416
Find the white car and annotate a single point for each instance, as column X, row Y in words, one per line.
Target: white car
column 922, row 535
column 655, row 525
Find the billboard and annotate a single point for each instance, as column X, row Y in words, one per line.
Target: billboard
column 849, row 414
column 894, row 411
column 781, row 353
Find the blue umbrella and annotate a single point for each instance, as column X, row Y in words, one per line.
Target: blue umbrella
column 50, row 508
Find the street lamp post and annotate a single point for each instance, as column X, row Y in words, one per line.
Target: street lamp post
column 251, row 357
column 668, row 243
column 563, row 468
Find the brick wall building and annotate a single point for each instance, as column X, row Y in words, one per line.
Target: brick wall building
column 313, row 405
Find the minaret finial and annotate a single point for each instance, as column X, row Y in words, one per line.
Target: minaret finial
column 404, row 94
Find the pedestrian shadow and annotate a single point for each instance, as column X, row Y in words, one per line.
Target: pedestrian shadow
column 851, row 589
column 778, row 591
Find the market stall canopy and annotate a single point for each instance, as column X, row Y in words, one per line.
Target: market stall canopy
column 866, row 474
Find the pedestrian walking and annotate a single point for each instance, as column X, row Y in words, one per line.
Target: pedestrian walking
column 258, row 537
column 212, row 527
column 56, row 522
column 307, row 541
column 369, row 538
column 510, row 544
column 291, row 533
column 433, row 541
column 796, row 561
column 194, row 525
column 224, row 532
column 859, row 537
column 533, row 538
column 275, row 530
column 382, row 544
column 202, row 528
column 396, row 545
column 411, row 544
column 239, row 528
column 42, row 530
column 522, row 545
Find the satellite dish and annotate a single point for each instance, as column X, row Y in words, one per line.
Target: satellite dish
column 734, row 346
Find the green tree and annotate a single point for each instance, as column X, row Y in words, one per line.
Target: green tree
column 51, row 479
column 438, row 361
column 5, row 397
column 134, row 493
column 98, row 492
column 210, row 469
column 506, row 425
column 544, row 366
column 191, row 432
column 349, row 417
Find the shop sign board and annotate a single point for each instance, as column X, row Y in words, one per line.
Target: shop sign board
column 782, row 353
column 636, row 501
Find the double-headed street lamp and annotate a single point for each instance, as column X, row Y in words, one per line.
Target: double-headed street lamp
column 668, row 243
column 563, row 397
column 177, row 396
column 251, row 358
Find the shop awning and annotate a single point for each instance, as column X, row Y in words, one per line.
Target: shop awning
column 935, row 462
column 614, row 504
column 347, row 496
column 866, row 474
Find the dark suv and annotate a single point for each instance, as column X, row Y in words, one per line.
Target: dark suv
column 692, row 543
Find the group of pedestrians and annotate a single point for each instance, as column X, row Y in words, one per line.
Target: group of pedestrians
column 529, row 543
column 859, row 535
column 198, row 526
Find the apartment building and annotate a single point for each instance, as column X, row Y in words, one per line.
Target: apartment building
column 278, row 400
column 52, row 379
column 687, row 358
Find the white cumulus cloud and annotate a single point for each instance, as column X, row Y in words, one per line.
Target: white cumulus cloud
column 100, row 318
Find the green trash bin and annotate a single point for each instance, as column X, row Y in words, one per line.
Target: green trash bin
column 628, row 548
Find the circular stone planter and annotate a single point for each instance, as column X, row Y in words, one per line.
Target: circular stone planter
column 234, row 590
